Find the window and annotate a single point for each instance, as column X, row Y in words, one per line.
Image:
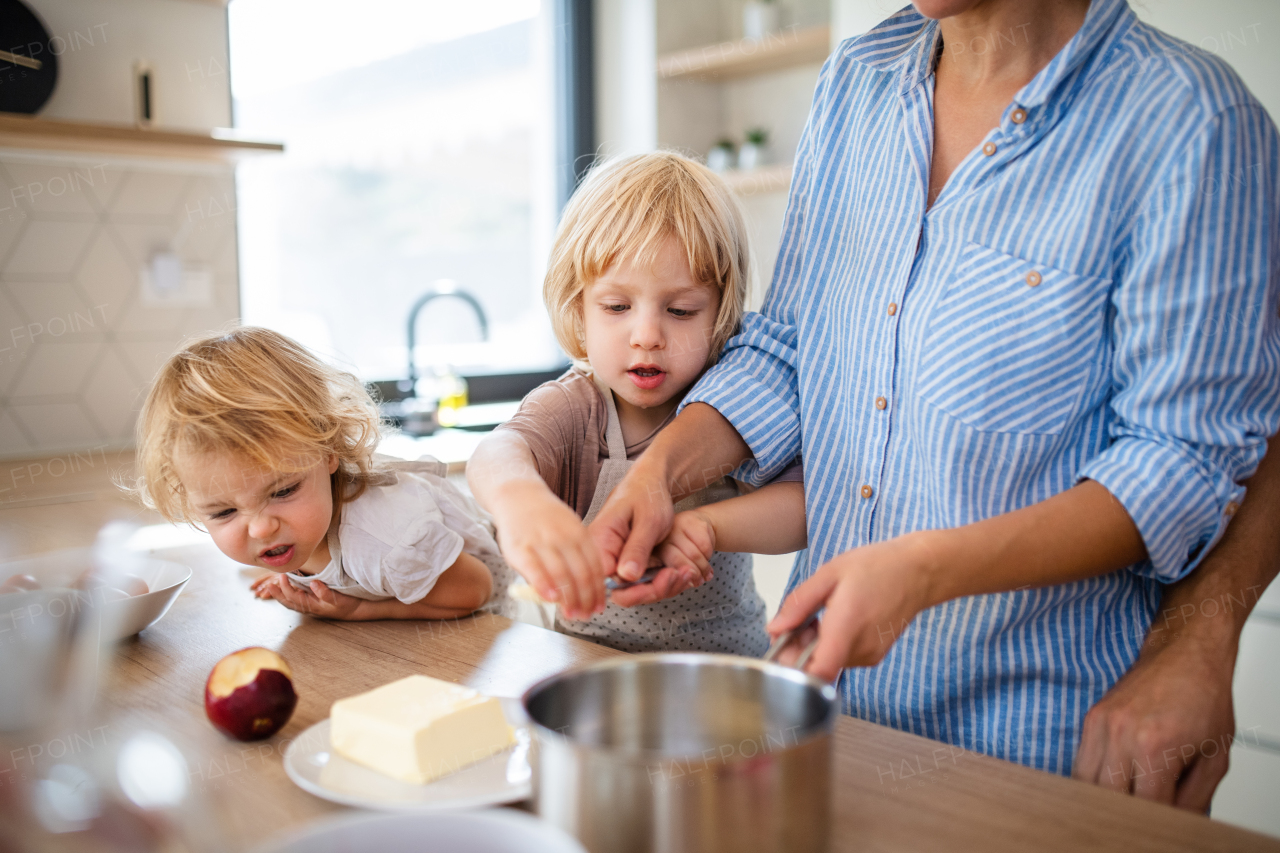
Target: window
column 420, row 152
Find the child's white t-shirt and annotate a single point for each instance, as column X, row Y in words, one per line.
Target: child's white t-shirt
column 395, row 540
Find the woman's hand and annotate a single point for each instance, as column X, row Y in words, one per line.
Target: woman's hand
column 870, row 594
column 319, row 600
column 549, row 546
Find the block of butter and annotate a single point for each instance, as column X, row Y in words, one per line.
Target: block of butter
column 418, row 729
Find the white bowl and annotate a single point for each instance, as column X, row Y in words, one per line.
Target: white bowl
column 120, row 618
column 489, row 831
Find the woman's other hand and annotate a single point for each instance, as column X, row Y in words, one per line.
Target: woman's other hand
column 870, row 595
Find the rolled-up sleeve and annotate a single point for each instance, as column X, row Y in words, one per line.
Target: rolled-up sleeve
column 755, row 384
column 755, row 387
column 1196, row 364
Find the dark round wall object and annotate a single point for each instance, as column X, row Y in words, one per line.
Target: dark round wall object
column 28, row 63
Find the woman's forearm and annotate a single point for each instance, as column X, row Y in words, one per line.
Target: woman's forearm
column 697, row 449
column 1211, row 604
column 1080, row 533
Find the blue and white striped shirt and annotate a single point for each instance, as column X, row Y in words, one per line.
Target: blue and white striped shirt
column 1093, row 295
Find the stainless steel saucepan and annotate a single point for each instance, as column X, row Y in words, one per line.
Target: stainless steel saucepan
column 685, row 752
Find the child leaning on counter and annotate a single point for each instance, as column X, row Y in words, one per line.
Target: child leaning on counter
column 647, row 281
column 251, row 437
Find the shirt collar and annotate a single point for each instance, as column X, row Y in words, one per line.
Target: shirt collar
column 908, row 41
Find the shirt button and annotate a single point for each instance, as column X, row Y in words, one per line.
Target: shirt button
column 867, row 491
column 881, row 402
column 1033, row 278
column 989, row 148
column 1019, row 116
column 893, row 308
column 1231, row 509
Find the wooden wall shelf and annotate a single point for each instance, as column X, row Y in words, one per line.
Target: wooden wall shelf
column 765, row 179
column 32, row 132
column 745, row 57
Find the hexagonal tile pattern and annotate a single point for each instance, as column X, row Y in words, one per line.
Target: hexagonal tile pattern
column 208, row 213
column 148, row 194
column 57, row 426
column 57, row 310
column 49, row 248
column 51, row 188
column 141, row 241
column 71, row 269
column 12, row 441
column 113, row 396
column 106, row 277
column 144, row 358
column 100, row 180
column 55, row 367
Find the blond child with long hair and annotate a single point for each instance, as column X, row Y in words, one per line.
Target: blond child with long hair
column 647, row 280
column 249, row 436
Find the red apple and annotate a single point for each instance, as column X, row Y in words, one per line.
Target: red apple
column 249, row 694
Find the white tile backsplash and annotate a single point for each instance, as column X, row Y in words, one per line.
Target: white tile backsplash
column 56, row 425
column 58, row 310
column 12, row 436
column 149, row 194
column 82, row 258
column 55, row 368
column 106, row 276
column 52, row 188
column 113, row 396
column 49, row 248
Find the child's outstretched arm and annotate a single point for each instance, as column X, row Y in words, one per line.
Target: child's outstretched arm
column 769, row 520
column 462, row 589
column 540, row 536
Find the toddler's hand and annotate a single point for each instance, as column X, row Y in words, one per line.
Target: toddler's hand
column 319, row 600
column 549, row 546
column 689, row 547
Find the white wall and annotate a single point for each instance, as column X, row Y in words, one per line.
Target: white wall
column 1243, row 32
column 184, row 41
column 79, row 342
column 626, row 80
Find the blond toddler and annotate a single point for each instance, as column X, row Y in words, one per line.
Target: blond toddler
column 249, row 436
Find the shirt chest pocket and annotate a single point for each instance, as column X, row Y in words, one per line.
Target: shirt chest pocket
column 1010, row 344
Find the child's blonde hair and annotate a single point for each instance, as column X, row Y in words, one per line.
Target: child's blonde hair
column 262, row 396
column 624, row 209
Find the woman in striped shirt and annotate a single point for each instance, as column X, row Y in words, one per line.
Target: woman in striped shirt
column 1023, row 325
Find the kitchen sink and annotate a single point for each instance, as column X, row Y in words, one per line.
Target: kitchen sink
column 398, row 405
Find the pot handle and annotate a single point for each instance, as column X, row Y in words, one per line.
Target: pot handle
column 785, row 637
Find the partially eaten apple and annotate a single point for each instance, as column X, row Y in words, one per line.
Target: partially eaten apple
column 249, row 694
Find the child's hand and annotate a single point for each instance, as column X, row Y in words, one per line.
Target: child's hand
column 319, row 600
column 549, row 546
column 689, row 546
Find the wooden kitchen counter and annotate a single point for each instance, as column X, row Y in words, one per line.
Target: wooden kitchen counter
column 893, row 791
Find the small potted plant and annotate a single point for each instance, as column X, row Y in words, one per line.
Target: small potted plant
column 759, row 19
column 752, row 153
column 720, row 158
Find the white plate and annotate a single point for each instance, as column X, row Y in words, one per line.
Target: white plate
column 504, row 777
column 495, row 831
